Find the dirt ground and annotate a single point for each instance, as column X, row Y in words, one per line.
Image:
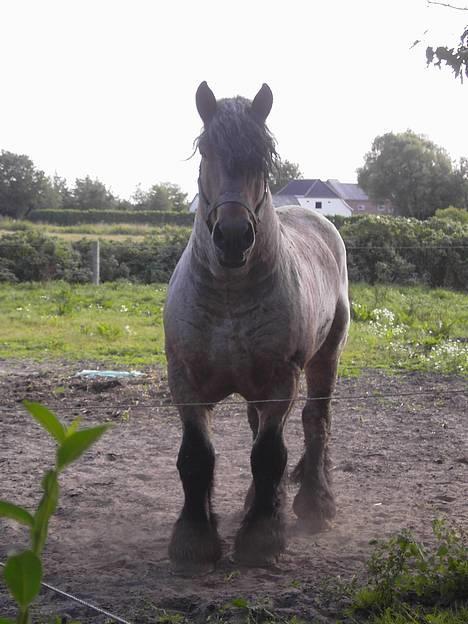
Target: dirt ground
column 400, row 459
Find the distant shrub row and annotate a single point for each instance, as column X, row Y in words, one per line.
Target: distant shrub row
column 407, row 251
column 380, row 249
column 77, row 217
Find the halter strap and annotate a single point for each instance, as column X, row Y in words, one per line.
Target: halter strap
column 232, row 198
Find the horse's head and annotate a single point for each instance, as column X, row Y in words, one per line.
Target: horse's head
column 237, row 151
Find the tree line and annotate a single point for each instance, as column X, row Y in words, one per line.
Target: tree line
column 24, row 188
column 415, row 174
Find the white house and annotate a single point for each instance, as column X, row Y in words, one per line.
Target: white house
column 314, row 194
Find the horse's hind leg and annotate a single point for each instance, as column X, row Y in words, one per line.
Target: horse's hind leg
column 252, row 416
column 195, row 545
column 314, row 503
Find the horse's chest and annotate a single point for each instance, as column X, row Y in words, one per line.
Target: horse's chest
column 239, row 347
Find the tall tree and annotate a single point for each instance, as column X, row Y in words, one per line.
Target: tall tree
column 411, row 171
column 63, row 195
column 23, row 187
column 89, row 194
column 162, row 197
column 461, row 173
column 283, row 172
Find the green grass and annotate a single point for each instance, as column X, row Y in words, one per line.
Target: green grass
column 393, row 328
column 116, row 323
column 118, row 231
column 407, row 328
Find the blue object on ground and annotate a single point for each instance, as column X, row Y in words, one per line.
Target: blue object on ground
column 92, row 374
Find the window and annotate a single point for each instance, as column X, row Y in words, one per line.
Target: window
column 381, row 208
column 318, row 205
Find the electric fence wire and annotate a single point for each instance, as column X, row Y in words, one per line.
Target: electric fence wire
column 240, row 403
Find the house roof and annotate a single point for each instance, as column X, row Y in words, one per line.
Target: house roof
column 321, row 189
column 296, row 187
column 348, row 190
column 284, row 200
column 308, row 188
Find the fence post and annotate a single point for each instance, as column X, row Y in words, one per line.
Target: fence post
column 95, row 262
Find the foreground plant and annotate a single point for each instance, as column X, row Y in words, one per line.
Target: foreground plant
column 405, row 574
column 23, row 572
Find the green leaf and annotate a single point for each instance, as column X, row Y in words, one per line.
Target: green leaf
column 23, row 574
column 77, row 443
column 6, row 621
column 47, row 419
column 74, row 426
column 240, row 603
column 8, row 510
column 46, row 508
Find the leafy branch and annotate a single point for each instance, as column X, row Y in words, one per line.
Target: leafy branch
column 455, row 57
column 23, row 572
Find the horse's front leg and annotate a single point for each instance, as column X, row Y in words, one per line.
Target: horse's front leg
column 261, row 537
column 195, row 545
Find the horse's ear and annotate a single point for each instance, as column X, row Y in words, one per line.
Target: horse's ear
column 206, row 102
column 263, row 102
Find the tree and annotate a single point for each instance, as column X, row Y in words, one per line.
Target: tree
column 411, row 171
column 283, row 172
column 165, row 197
column 461, row 174
column 89, row 194
column 23, row 188
column 63, row 195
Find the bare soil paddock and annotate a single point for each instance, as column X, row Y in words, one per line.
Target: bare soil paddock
column 399, row 462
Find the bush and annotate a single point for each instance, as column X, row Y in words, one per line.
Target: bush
column 33, row 256
column 75, row 217
column 380, row 250
column 405, row 251
column 453, row 214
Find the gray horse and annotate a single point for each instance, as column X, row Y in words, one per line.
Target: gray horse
column 258, row 295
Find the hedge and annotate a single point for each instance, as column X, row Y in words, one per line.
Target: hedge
column 380, row 249
column 78, row 217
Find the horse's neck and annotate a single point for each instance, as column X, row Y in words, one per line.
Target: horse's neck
column 266, row 251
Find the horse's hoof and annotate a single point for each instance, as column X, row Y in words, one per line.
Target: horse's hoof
column 314, row 514
column 259, row 543
column 194, row 548
column 191, row 569
column 254, row 561
column 313, row 525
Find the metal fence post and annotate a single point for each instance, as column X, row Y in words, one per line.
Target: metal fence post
column 96, row 262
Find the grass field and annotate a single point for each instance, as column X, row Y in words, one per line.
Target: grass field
column 393, row 328
column 103, row 231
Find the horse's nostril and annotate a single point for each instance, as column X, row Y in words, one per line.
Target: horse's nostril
column 218, row 237
column 249, row 235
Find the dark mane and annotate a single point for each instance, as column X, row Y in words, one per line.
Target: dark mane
column 241, row 141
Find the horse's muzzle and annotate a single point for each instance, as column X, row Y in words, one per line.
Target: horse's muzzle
column 233, row 240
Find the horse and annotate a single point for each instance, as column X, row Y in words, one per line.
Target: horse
column 257, row 296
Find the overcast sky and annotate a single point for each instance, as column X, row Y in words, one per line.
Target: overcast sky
column 106, row 87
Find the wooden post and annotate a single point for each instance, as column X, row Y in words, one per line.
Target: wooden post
column 95, row 261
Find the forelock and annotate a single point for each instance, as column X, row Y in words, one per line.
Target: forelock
column 240, row 140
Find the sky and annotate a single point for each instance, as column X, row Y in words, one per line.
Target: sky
column 106, row 88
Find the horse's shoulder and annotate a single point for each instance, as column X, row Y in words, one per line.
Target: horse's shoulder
column 296, row 215
column 308, row 224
